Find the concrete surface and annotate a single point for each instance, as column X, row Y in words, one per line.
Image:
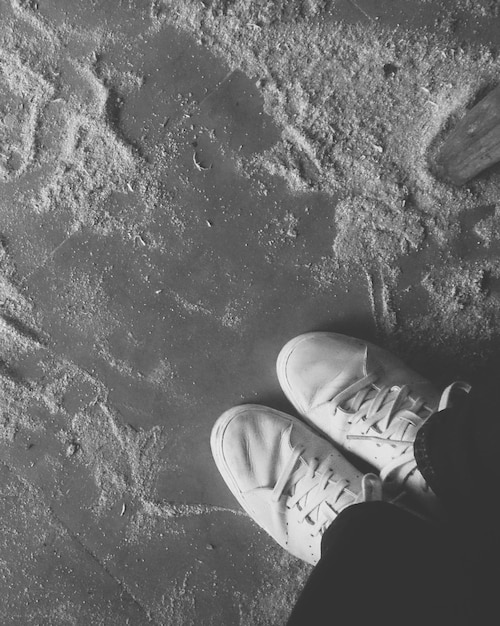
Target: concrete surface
column 141, row 328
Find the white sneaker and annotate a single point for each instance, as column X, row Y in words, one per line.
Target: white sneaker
column 365, row 400
column 289, row 479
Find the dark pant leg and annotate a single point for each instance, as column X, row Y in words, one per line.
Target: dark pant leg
column 382, row 565
column 458, row 452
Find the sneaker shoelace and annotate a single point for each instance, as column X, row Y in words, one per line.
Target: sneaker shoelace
column 315, row 489
column 390, row 415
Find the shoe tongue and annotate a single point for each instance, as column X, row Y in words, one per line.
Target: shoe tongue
column 359, row 365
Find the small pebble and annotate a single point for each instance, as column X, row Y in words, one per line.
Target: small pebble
column 72, row 449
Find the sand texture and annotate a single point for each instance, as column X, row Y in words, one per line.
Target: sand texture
column 184, row 186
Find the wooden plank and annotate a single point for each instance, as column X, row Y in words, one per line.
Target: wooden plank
column 474, row 144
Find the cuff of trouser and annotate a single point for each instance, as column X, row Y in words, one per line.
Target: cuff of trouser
column 353, row 519
column 444, row 455
column 440, row 452
column 456, row 450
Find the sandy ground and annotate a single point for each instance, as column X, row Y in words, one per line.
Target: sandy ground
column 186, row 185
